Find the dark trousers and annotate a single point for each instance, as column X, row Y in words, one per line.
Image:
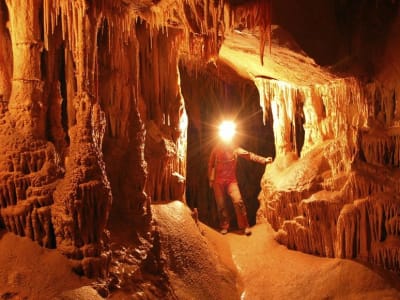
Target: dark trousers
column 232, row 190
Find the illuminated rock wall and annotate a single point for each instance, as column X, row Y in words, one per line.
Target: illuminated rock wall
column 165, row 115
column 339, row 197
column 74, row 115
column 91, row 113
column 30, row 166
column 5, row 56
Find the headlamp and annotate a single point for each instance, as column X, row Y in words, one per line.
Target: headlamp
column 227, row 130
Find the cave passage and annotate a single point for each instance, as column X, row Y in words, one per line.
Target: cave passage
column 211, row 98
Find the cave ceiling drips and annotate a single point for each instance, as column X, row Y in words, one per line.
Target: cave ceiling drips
column 56, row 97
column 91, row 101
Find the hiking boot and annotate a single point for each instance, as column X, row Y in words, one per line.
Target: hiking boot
column 223, row 231
column 247, row 231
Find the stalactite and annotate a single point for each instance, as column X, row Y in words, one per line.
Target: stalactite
column 54, row 88
column 294, row 236
column 283, row 206
column 383, row 110
column 283, row 100
column 254, row 15
column 165, row 119
column 203, row 21
column 376, row 148
column 73, row 204
column 353, row 212
column 342, row 93
column 119, row 97
column 383, row 214
column 314, row 115
column 320, row 212
column 359, row 186
column 381, row 147
column 348, row 232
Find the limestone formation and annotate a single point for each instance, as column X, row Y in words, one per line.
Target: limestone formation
column 75, row 111
column 339, row 198
column 107, row 107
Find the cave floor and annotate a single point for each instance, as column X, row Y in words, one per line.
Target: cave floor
column 271, row 271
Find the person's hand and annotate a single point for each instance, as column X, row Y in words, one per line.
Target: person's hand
column 211, row 182
column 268, row 160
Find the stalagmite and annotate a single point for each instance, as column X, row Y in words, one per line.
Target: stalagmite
column 85, row 189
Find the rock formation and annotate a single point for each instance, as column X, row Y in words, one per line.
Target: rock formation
column 335, row 193
column 91, row 109
column 339, row 198
column 107, row 107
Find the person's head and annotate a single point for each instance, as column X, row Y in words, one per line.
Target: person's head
column 227, row 131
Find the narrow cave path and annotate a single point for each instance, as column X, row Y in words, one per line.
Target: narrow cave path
column 271, row 271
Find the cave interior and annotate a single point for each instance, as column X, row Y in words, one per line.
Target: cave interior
column 109, row 110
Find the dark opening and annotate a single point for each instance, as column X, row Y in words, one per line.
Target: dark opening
column 299, row 129
column 210, row 96
column 63, row 90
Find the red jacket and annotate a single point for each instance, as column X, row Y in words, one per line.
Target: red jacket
column 223, row 160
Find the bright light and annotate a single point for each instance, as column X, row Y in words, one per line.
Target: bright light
column 227, row 130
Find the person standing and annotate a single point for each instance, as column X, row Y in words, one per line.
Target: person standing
column 222, row 178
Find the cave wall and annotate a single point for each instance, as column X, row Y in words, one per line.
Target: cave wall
column 145, row 140
column 165, row 116
column 125, row 134
column 93, row 121
column 92, row 112
column 57, row 196
column 74, row 118
column 339, row 198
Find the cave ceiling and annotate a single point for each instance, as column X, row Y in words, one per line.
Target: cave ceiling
column 285, row 62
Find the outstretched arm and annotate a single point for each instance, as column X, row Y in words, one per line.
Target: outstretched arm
column 253, row 157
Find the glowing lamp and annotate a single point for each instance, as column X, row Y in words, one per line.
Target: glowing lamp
column 227, row 130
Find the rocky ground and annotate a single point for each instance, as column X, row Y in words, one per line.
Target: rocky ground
column 200, row 264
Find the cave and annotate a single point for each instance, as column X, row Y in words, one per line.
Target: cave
column 109, row 115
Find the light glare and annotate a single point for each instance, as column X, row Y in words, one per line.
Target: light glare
column 227, row 130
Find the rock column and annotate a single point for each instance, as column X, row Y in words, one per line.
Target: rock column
column 26, row 105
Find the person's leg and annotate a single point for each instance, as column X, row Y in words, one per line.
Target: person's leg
column 240, row 208
column 219, row 193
